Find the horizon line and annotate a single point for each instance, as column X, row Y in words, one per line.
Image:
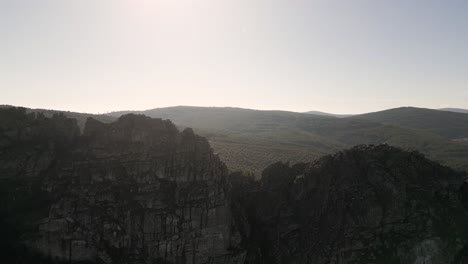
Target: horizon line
column 233, row 107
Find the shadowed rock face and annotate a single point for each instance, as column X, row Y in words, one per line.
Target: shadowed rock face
column 365, row 205
column 133, row 191
column 139, row 191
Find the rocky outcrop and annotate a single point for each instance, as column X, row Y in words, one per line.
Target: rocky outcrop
column 139, row 191
column 370, row 204
column 133, row 191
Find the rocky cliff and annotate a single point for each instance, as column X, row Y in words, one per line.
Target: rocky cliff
column 139, row 191
column 133, row 191
column 369, row 204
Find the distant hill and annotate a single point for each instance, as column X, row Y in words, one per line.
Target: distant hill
column 455, row 110
column 251, row 139
column 326, row 114
column 444, row 123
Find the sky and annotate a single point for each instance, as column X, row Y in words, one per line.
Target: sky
column 350, row 56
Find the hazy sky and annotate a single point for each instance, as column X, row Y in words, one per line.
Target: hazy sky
column 347, row 56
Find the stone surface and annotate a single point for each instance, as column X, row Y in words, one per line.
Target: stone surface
column 370, row 204
column 139, row 191
column 133, row 191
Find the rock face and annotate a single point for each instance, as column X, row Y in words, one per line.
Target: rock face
column 365, row 205
column 139, row 191
column 133, row 191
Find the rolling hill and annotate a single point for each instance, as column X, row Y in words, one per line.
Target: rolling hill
column 325, row 114
column 249, row 140
column 456, row 110
column 447, row 124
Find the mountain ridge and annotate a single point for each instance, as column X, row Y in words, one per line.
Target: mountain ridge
column 234, row 131
column 138, row 190
column 249, row 140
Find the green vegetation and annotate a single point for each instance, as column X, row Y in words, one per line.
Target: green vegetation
column 249, row 140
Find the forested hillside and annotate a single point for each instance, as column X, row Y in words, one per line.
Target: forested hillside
column 249, row 140
column 447, row 124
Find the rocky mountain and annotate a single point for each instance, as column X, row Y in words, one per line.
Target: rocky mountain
column 369, row 204
column 133, row 191
column 138, row 190
column 80, row 117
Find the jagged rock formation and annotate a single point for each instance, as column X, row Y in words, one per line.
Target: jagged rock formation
column 365, row 205
column 139, row 191
column 133, row 191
